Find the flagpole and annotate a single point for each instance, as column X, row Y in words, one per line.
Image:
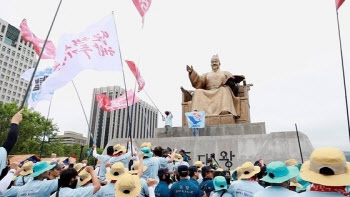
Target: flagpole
column 153, row 102
column 39, row 58
column 45, row 128
column 344, row 81
column 301, row 154
column 82, row 107
column 126, row 92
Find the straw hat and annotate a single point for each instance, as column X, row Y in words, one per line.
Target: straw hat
column 327, row 166
column 247, row 170
column 40, row 167
column 84, row 177
column 146, row 144
column 178, row 157
column 219, row 170
column 78, row 167
column 27, row 168
column 116, row 171
column 118, row 148
column 128, row 186
column 198, row 164
column 294, row 182
column 291, row 162
column 278, row 172
column 135, row 168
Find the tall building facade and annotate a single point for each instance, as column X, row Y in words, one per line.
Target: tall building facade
column 16, row 56
column 71, row 138
column 109, row 125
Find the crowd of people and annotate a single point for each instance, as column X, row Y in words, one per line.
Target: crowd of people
column 162, row 172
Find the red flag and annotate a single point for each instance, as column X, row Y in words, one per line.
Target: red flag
column 118, row 103
column 142, row 6
column 28, row 36
column 338, row 3
column 137, row 74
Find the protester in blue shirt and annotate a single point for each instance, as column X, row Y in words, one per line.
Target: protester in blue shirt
column 185, row 187
column 220, row 185
column 104, row 159
column 26, row 170
column 207, row 184
column 184, row 155
column 168, row 122
column 194, row 174
column 39, row 186
column 278, row 175
column 68, row 184
column 120, row 154
column 151, row 163
column 162, row 189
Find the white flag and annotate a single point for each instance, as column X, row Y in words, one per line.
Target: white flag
column 40, row 76
column 95, row 48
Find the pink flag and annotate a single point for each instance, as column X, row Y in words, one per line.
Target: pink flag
column 137, row 74
column 28, row 36
column 118, row 103
column 142, row 6
column 338, row 3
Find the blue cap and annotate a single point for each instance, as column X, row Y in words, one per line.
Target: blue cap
column 278, row 172
column 219, row 183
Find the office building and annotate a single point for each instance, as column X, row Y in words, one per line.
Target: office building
column 109, row 125
column 16, row 56
column 71, row 138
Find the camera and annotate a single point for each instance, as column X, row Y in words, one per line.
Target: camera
column 212, row 155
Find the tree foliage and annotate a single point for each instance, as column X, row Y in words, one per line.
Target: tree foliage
column 31, row 132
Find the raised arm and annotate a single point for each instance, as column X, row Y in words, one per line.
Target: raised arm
column 172, row 156
column 12, row 135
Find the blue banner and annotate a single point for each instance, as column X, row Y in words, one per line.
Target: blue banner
column 195, row 119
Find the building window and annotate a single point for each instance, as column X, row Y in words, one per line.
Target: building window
column 3, row 29
column 3, row 48
column 8, row 51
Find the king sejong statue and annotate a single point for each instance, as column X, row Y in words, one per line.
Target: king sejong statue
column 214, row 92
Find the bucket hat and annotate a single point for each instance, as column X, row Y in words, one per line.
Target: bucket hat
column 135, row 168
column 27, row 168
column 199, row 164
column 178, row 157
column 78, row 167
column 146, row 144
column 116, row 171
column 278, row 172
column 147, row 151
column 247, row 170
column 291, row 162
column 41, row 167
column 117, row 149
column 128, row 186
column 327, row 166
column 219, row 183
column 84, row 177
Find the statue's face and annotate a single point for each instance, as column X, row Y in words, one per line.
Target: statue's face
column 215, row 64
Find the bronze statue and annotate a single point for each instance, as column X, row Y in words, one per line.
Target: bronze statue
column 215, row 91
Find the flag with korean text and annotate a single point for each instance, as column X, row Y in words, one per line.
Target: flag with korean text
column 40, row 76
column 142, row 6
column 95, row 48
column 121, row 102
column 49, row 51
column 137, row 74
column 195, row 119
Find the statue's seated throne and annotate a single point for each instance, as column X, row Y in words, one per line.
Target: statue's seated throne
column 240, row 89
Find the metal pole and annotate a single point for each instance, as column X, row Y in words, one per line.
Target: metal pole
column 41, row 53
column 45, row 128
column 82, row 107
column 301, row 154
column 344, row 81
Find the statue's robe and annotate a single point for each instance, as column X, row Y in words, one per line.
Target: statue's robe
column 212, row 95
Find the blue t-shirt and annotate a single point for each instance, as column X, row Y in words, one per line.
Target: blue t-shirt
column 152, row 168
column 22, row 180
column 194, row 181
column 244, row 188
column 218, row 194
column 106, row 190
column 168, row 120
column 163, row 162
column 185, row 188
column 207, row 186
column 102, row 172
column 144, row 187
column 162, row 190
column 34, row 188
column 125, row 159
column 275, row 191
column 77, row 192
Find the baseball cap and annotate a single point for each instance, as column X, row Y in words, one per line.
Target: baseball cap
column 206, row 169
column 193, row 169
column 162, row 171
column 182, row 169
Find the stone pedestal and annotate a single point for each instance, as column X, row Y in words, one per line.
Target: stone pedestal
column 232, row 144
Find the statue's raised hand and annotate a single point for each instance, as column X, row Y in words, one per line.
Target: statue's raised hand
column 189, row 69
